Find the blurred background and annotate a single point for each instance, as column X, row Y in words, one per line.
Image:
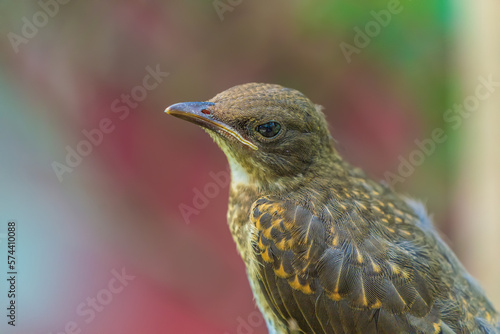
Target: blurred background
column 113, row 234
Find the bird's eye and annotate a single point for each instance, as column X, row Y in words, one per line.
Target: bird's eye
column 269, row 130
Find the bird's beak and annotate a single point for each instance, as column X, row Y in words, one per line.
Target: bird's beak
column 200, row 114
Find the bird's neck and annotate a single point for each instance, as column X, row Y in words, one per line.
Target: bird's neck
column 329, row 168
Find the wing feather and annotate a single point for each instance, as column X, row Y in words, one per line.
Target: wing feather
column 327, row 279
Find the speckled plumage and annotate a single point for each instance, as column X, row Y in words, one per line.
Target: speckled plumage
column 327, row 249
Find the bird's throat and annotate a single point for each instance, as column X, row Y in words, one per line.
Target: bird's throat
column 239, row 175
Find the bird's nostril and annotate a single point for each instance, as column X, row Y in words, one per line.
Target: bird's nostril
column 205, row 111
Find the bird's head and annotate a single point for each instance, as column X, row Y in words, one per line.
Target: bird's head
column 268, row 132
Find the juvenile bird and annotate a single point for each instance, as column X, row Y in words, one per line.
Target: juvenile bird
column 328, row 250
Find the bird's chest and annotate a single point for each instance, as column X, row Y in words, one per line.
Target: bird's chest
column 245, row 236
column 241, row 199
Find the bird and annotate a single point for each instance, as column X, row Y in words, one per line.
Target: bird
column 326, row 248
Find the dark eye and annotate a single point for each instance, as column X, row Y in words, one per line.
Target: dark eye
column 269, row 130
